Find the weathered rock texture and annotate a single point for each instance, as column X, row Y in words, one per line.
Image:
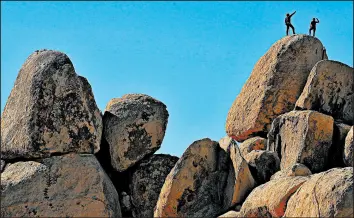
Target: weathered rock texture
column 147, row 181
column 336, row 158
column 134, row 126
column 276, row 82
column 269, row 199
column 231, row 213
column 65, row 186
column 49, row 110
column 327, row 194
column 243, row 179
column 330, row 90
column 348, row 149
column 302, row 137
column 255, row 143
column 200, row 184
column 295, row 170
column 2, row 165
column 262, row 164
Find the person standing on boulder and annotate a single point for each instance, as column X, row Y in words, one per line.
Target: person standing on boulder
column 288, row 23
column 313, row 26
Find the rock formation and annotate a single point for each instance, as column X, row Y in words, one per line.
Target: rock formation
column 134, row 126
column 200, row 184
column 302, row 137
column 61, row 157
column 294, row 170
column 348, row 149
column 68, row 185
column 262, row 164
column 50, row 110
column 330, row 90
column 255, row 143
column 276, row 82
column 327, row 194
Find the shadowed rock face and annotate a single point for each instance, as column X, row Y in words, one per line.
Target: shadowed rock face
column 198, row 184
column 2, row 166
column 50, row 110
column 330, row 90
column 69, row 185
column 134, row 126
column 276, row 82
column 326, row 194
column 349, row 149
column 302, row 137
column 262, row 164
column 336, row 155
column 147, row 181
column 270, row 198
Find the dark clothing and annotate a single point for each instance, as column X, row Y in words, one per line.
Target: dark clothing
column 287, row 28
column 313, row 26
column 288, row 20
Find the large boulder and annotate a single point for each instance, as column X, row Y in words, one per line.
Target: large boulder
column 327, row 194
column 50, row 110
column 348, row 149
column 59, row 186
column 336, row 157
column 134, row 126
column 276, row 82
column 294, row 170
column 302, row 137
column 263, row 164
column 330, row 90
column 199, row 185
column 255, row 143
column 269, row 199
column 147, row 181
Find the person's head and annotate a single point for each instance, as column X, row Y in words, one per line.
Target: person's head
column 313, row 19
column 287, row 15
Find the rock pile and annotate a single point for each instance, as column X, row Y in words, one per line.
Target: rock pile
column 293, row 118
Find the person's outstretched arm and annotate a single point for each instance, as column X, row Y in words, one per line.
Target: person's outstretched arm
column 317, row 20
column 293, row 13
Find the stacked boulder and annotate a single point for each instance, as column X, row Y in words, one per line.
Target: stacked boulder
column 302, row 107
column 50, row 129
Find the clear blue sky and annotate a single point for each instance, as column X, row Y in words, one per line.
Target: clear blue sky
column 193, row 56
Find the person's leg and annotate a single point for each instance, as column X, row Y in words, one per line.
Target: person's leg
column 287, row 29
column 292, row 27
column 314, row 31
column 310, row 31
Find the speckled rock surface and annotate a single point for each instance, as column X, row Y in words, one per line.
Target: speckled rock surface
column 244, row 182
column 197, row 186
column 269, row 199
column 255, row 143
column 327, row 194
column 330, row 90
column 302, row 137
column 262, row 164
column 276, row 82
column 349, row 149
column 134, row 126
column 65, row 186
column 147, row 181
column 50, row 110
column 295, row 170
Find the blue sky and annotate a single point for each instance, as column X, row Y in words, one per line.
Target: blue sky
column 193, row 56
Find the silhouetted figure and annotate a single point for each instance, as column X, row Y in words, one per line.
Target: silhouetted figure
column 313, row 26
column 288, row 23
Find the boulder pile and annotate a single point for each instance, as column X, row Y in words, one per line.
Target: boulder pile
column 288, row 149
